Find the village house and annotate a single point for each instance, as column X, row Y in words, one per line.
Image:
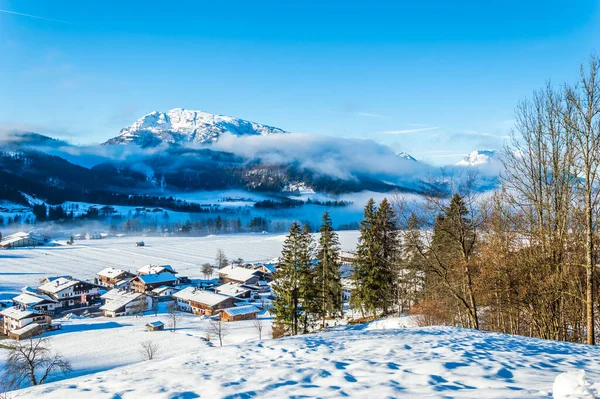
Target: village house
column 234, row 289
column 123, row 303
column 70, row 292
column 246, row 312
column 347, row 258
column 111, row 276
column 15, row 319
column 22, row 239
column 202, row 303
column 148, row 282
column 156, row 269
column 40, row 302
column 164, row 291
column 241, row 275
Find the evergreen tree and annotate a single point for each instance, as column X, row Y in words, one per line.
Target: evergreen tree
column 307, row 289
column 365, row 260
column 285, row 284
column 327, row 273
column 386, row 245
column 376, row 260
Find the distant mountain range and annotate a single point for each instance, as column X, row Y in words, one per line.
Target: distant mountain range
column 181, row 126
column 165, row 153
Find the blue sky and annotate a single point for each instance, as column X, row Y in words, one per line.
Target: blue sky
column 437, row 79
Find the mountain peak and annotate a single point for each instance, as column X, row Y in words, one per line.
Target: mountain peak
column 406, row 156
column 478, row 157
column 183, row 126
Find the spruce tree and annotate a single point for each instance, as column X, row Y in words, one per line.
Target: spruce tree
column 307, row 289
column 327, row 273
column 362, row 291
column 285, row 284
column 386, row 270
column 375, row 262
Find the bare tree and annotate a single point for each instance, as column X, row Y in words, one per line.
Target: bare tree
column 259, row 325
column 582, row 117
column 207, row 270
column 32, row 362
column 149, row 350
column 220, row 259
column 173, row 314
column 217, row 328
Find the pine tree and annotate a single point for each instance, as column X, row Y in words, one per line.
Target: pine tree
column 375, row 262
column 365, row 260
column 386, row 272
column 307, row 289
column 285, row 284
column 327, row 273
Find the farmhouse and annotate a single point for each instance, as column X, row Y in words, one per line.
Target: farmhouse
column 123, row 303
column 70, row 292
column 148, row 282
column 233, row 289
column 111, row 276
column 241, row 275
column 246, row 312
column 14, row 319
column 39, row 302
column 22, row 239
column 202, row 303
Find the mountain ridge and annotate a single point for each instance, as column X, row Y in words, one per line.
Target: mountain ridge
column 180, row 126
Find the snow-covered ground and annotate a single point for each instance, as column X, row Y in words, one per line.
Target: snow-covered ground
column 376, row 361
column 103, row 343
column 26, row 266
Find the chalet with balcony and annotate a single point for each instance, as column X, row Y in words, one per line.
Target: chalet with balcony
column 69, row 292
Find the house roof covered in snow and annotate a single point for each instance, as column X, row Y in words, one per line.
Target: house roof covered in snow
column 116, row 299
column 19, row 314
column 166, row 277
column 27, row 329
column 12, row 238
column 29, row 299
column 241, row 310
column 204, row 297
column 160, row 290
column 231, row 289
column 238, row 273
column 111, row 272
column 156, row 269
column 58, row 285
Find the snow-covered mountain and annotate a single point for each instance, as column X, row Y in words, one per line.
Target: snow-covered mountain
column 182, row 126
column 406, row 156
column 478, row 157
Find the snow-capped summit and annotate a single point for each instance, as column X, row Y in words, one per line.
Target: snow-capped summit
column 182, row 126
column 406, row 156
column 478, row 157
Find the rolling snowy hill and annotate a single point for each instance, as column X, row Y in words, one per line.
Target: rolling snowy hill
column 381, row 360
column 182, row 126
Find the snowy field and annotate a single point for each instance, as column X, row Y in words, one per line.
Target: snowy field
column 103, row 343
column 376, row 361
column 21, row 267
